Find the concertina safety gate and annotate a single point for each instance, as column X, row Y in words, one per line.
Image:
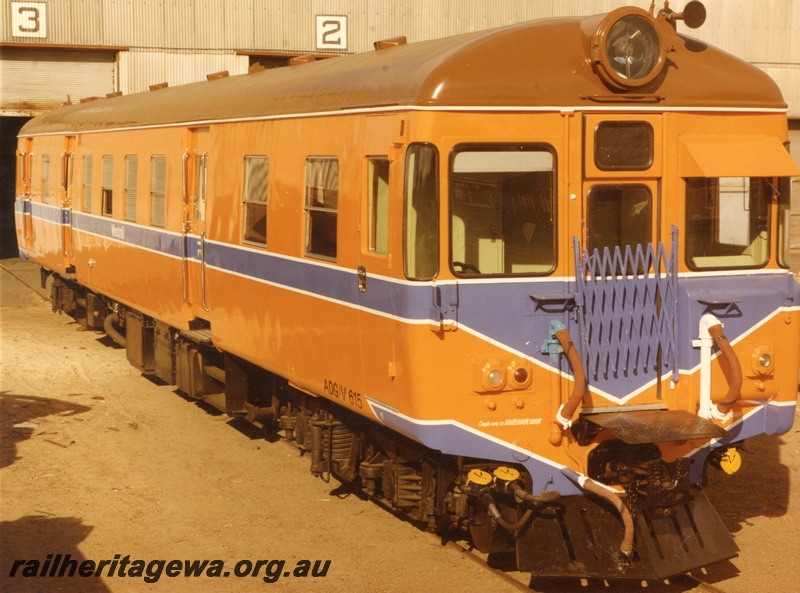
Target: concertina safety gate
column 627, row 309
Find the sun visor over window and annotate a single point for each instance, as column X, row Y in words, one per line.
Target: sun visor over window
column 734, row 156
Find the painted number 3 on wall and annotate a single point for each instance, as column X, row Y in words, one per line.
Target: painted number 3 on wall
column 331, row 32
column 29, row 19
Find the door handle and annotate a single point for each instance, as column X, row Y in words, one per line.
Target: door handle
column 362, row 279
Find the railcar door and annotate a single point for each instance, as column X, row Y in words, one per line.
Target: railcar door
column 625, row 267
column 65, row 193
column 25, row 225
column 381, row 185
column 193, row 231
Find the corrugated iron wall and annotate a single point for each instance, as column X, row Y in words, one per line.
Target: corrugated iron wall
column 141, row 68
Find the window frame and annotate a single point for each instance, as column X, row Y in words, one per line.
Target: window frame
column 107, row 185
column 614, row 126
column 434, row 238
column 131, row 187
column 200, row 186
column 46, row 178
column 378, row 205
column 590, row 208
column 86, row 183
column 504, row 147
column 690, row 257
column 322, row 214
column 784, row 213
column 249, row 205
column 158, row 199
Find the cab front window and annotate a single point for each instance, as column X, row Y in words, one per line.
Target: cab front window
column 727, row 222
column 502, row 210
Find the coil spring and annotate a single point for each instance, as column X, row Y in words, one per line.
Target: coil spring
column 336, row 444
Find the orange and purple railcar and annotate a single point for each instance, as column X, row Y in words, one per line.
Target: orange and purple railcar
column 527, row 283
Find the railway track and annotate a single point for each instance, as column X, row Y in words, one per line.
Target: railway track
column 686, row 583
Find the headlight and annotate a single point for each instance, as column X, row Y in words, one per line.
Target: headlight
column 495, row 378
column 632, row 48
column 627, row 48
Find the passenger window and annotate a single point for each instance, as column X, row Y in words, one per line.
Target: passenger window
column 158, row 190
column 618, row 216
column 46, row 178
column 108, row 185
column 421, row 213
column 727, row 222
column 378, row 205
column 321, row 206
column 66, row 174
column 254, row 199
column 131, row 186
column 86, row 186
column 502, row 202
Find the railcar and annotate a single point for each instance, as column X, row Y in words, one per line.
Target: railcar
column 526, row 283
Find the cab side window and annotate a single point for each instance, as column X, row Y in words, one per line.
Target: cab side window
column 378, row 206
column 421, row 213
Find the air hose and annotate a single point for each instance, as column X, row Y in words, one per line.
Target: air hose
column 735, row 379
column 567, row 410
column 110, row 326
column 626, row 547
column 521, row 495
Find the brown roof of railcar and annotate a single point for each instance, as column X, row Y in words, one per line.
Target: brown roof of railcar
column 537, row 64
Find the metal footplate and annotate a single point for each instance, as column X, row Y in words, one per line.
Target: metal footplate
column 657, row 426
column 581, row 538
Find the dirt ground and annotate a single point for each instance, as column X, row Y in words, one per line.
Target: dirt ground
column 99, row 463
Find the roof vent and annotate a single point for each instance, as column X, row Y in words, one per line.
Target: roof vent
column 304, row 59
column 160, row 85
column 393, row 42
column 217, row 75
column 114, row 94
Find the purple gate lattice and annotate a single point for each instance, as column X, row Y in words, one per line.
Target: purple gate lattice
column 627, row 307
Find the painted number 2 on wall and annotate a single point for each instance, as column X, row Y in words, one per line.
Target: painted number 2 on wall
column 29, row 19
column 331, row 32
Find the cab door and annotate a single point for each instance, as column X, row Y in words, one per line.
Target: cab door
column 626, row 267
column 381, row 187
column 193, row 231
